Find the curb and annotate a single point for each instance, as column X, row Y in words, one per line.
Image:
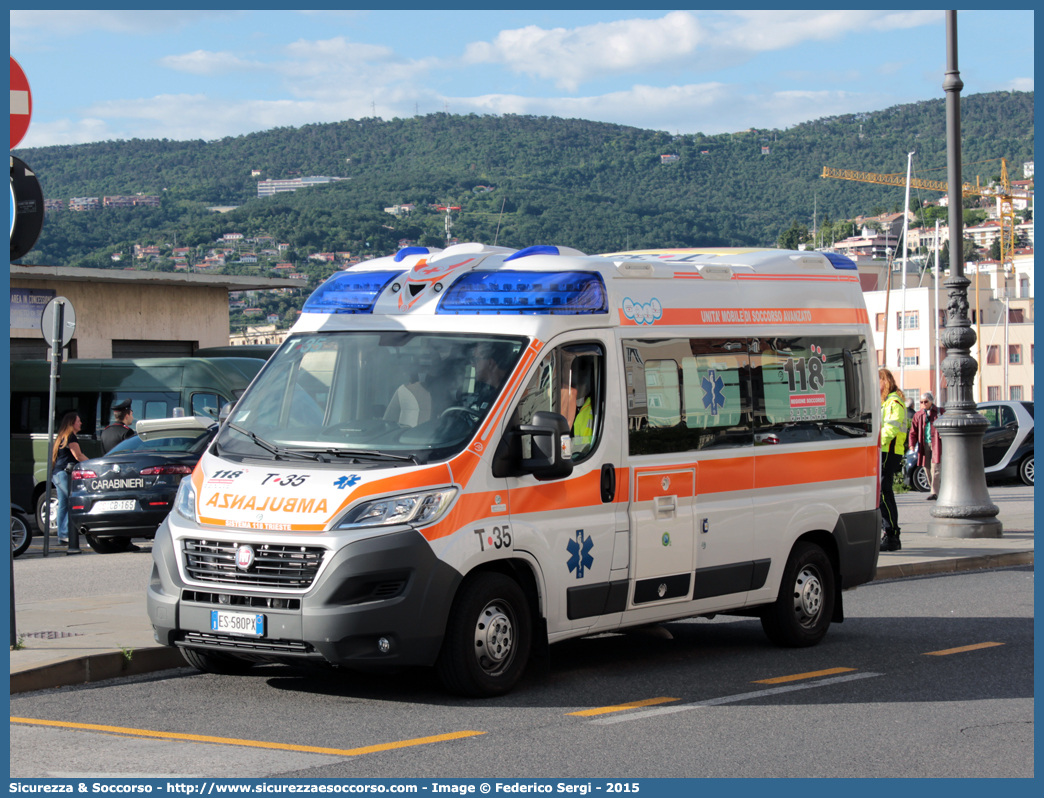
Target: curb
column 98, row 667
column 954, row 565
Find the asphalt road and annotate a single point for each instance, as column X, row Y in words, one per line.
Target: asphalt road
column 894, row 691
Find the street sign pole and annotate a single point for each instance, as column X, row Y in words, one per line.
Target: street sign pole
column 57, row 325
column 56, row 354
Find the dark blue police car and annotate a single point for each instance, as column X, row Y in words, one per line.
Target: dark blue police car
column 128, row 492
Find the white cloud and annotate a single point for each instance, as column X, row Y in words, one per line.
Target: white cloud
column 681, row 39
column 63, row 23
column 1021, row 84
column 337, row 69
column 709, row 108
column 202, row 62
column 570, row 57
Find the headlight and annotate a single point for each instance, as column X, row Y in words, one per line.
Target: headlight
column 417, row 509
column 185, row 501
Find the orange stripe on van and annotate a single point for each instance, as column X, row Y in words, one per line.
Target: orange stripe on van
column 721, row 476
column 752, row 316
column 650, row 482
column 471, row 510
column 801, row 468
column 829, row 278
column 565, row 494
column 434, row 477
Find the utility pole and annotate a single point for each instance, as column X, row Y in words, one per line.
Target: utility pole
column 935, row 320
column 964, row 509
column 906, row 230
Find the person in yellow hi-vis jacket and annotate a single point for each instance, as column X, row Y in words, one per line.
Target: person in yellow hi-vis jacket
column 894, row 427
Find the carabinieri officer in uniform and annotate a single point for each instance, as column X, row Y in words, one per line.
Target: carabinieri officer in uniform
column 120, row 429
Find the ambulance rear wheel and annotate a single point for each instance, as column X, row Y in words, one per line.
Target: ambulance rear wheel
column 487, row 638
column 802, row 612
column 214, row 662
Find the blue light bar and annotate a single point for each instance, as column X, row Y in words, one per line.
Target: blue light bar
column 406, row 251
column 500, row 292
column 840, row 261
column 349, row 292
column 538, row 249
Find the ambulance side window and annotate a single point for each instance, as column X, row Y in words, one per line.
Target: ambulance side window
column 810, row 388
column 569, row 380
column 687, row 394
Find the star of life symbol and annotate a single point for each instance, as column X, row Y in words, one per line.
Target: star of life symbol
column 580, row 553
column 347, row 482
column 713, row 395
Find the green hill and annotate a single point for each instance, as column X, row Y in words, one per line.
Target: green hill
column 593, row 186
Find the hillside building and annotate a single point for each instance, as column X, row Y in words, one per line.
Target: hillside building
column 266, row 188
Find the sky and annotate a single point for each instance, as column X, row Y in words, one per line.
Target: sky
column 103, row 75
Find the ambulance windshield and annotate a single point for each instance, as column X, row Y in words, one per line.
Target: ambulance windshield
column 371, row 397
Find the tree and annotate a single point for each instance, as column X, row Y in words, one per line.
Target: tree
column 971, row 253
column 794, row 235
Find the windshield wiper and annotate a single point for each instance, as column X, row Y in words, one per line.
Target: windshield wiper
column 366, row 453
column 278, row 451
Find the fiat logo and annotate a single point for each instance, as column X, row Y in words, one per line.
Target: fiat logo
column 116, row 468
column 244, row 557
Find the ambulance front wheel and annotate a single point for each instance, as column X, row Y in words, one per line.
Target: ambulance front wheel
column 487, row 638
column 801, row 614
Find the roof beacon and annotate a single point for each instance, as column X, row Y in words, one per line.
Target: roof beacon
column 502, row 292
column 349, row 292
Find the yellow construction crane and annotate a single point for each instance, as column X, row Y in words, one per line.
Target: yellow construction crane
column 1002, row 193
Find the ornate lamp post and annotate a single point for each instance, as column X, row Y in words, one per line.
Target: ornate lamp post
column 964, row 509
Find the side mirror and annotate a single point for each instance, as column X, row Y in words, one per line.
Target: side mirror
column 226, row 411
column 542, row 448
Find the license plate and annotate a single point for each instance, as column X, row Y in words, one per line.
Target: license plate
column 114, row 506
column 237, row 623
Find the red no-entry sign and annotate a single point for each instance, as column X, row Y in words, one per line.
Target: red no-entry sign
column 21, row 104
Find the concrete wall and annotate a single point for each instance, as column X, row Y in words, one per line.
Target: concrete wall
column 107, row 311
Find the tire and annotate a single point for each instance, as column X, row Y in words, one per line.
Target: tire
column 40, row 511
column 215, row 662
column 920, row 480
column 108, row 545
column 21, row 535
column 488, row 638
column 1026, row 470
column 801, row 615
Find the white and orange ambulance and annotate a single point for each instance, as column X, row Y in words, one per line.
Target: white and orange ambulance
column 459, row 456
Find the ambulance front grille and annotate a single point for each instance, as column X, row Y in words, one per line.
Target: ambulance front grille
column 274, row 565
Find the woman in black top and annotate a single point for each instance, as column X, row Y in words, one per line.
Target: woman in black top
column 66, row 451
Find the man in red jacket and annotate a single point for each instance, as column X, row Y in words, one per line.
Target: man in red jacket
column 926, row 438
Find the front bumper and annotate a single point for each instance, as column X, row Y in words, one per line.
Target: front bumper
column 391, row 586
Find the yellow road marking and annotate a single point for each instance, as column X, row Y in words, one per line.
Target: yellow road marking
column 797, row 677
column 960, row 650
column 648, row 702
column 200, row 738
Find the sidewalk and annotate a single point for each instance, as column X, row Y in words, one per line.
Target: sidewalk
column 85, row 634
